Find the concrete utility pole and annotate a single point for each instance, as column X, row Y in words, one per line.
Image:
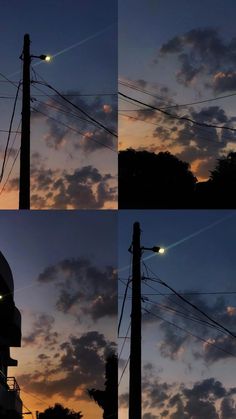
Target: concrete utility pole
column 135, row 391
column 24, row 198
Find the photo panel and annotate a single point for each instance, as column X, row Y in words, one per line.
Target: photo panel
column 58, row 309
column 58, row 104
column 177, row 85
column 186, row 338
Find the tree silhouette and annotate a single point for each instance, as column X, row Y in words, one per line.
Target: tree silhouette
column 108, row 399
column 219, row 190
column 149, row 180
column 60, row 412
column 10, row 414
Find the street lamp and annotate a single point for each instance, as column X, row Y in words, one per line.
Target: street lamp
column 42, row 57
column 155, row 249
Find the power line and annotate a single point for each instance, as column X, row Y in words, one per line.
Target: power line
column 189, row 333
column 194, row 306
column 75, row 130
column 81, row 94
column 78, row 108
column 36, row 397
column 177, row 105
column 61, row 110
column 9, row 81
column 182, row 134
column 9, row 174
column 13, row 132
column 124, row 341
column 123, row 306
column 195, row 293
column 13, row 142
column 182, row 118
column 9, row 133
column 126, row 365
column 181, row 314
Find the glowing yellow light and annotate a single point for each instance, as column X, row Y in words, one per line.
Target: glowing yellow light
column 162, row 250
column 48, row 58
column 1, row 297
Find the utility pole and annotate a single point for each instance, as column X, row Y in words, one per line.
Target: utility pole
column 24, row 199
column 135, row 391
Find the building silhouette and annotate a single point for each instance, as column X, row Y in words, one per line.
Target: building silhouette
column 10, row 336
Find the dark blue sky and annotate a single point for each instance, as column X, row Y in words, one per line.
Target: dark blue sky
column 55, row 25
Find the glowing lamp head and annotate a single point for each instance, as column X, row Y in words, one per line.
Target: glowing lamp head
column 45, row 57
column 157, row 249
column 1, row 297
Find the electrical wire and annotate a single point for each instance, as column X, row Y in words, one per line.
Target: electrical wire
column 9, row 174
column 182, row 118
column 126, row 365
column 9, row 133
column 183, row 134
column 196, row 293
column 123, row 306
column 124, row 341
column 194, row 306
column 177, row 105
column 36, row 397
column 189, row 333
column 61, row 110
column 78, row 108
column 195, row 319
column 9, row 81
column 75, row 130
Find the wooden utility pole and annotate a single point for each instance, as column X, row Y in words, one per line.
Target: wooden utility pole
column 24, row 198
column 135, row 392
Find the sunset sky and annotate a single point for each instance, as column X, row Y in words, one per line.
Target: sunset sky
column 178, row 53
column 66, row 290
column 70, row 168
column 183, row 376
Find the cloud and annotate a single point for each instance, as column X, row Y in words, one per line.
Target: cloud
column 81, row 364
column 175, row 341
column 42, row 333
column 184, row 402
column 102, row 109
column 202, row 52
column 83, row 188
column 205, row 398
column 84, row 289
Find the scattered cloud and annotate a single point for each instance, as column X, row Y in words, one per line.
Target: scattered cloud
column 84, row 289
column 202, row 52
column 206, row 398
column 59, row 136
column 42, row 333
column 175, row 342
column 83, row 188
column 81, row 364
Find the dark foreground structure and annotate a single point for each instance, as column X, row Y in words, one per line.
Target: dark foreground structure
column 10, row 336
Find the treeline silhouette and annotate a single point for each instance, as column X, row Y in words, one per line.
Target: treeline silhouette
column 59, row 412
column 149, row 180
column 108, row 399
